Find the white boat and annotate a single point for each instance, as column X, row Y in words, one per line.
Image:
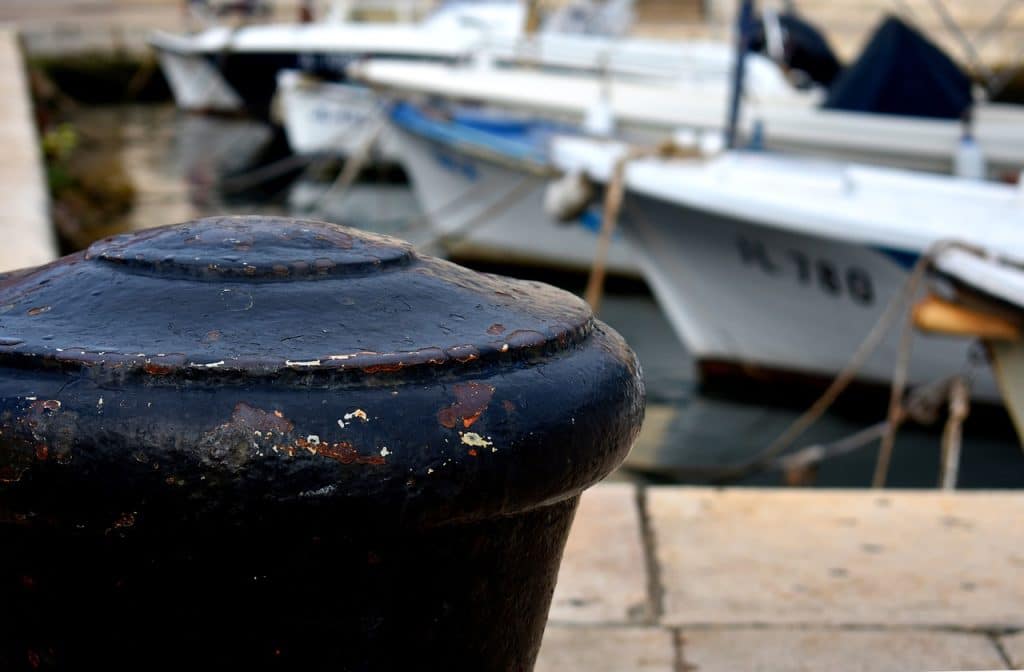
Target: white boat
column 321, row 116
column 985, row 272
column 775, row 264
column 873, row 112
column 234, row 69
column 481, row 183
column 332, row 118
column 229, row 69
column 640, row 108
column 790, row 120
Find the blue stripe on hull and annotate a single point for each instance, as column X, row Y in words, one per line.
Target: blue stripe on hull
column 904, row 258
column 515, row 139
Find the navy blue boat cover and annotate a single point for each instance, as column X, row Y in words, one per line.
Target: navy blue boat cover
column 901, row 72
column 806, row 48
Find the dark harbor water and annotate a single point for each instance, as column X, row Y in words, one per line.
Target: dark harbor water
column 185, row 166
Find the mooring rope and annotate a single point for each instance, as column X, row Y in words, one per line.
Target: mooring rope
column 952, row 434
column 465, row 229
column 356, row 162
column 614, row 194
column 352, row 168
column 902, row 367
column 264, row 173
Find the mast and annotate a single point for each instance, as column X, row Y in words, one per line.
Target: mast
column 744, row 28
column 532, row 17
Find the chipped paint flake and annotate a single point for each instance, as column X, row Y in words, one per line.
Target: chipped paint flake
column 320, row 492
column 384, row 452
column 475, row 440
column 358, row 413
column 311, row 362
column 211, row 365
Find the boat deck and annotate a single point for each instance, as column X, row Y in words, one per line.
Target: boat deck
column 686, row 578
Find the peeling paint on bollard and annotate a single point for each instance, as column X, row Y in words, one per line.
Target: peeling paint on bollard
column 258, row 443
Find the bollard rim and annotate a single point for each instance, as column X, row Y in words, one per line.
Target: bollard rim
column 216, row 299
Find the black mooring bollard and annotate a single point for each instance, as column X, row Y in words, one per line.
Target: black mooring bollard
column 252, row 444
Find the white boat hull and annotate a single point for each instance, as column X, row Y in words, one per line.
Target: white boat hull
column 1008, row 362
column 196, row 84
column 330, row 118
column 761, row 298
column 491, row 212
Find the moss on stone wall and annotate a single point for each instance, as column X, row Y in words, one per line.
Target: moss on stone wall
column 108, row 77
column 90, row 189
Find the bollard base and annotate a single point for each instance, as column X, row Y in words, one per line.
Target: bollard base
column 287, row 593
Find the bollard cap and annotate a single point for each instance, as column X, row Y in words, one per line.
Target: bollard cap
column 299, row 359
column 269, row 296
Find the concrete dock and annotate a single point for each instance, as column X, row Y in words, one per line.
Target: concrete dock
column 676, row 578
column 25, row 227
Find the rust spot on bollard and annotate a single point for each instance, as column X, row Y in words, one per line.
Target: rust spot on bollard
column 471, row 400
column 154, row 369
column 256, row 419
column 341, row 451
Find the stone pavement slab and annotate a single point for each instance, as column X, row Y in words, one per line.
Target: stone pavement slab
column 603, row 577
column 817, row 649
column 817, row 557
column 25, row 227
column 1014, row 647
column 604, row 649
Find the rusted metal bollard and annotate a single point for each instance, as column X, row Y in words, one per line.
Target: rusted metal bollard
column 249, row 443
